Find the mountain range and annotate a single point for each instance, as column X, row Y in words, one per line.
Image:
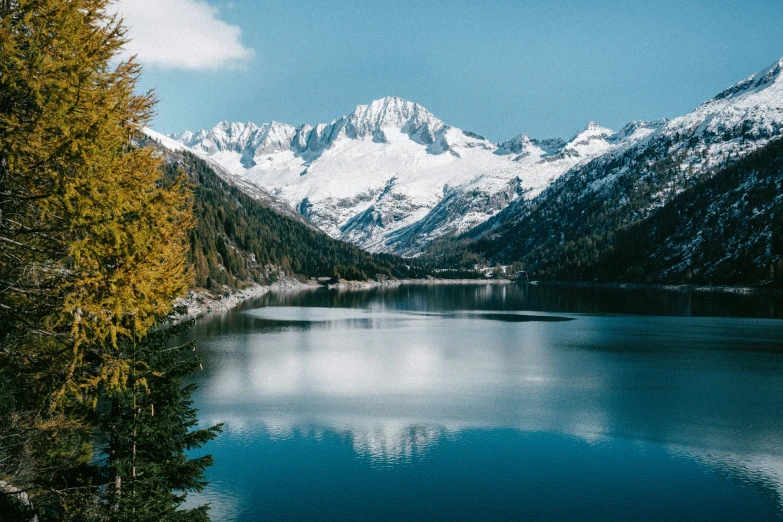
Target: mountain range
column 392, row 177
column 577, row 223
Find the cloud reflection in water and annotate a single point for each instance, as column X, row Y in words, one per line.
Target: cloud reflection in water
column 396, row 383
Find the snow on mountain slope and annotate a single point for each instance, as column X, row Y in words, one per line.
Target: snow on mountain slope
column 165, row 141
column 737, row 121
column 258, row 193
column 391, row 176
column 534, row 166
column 579, row 214
column 753, row 106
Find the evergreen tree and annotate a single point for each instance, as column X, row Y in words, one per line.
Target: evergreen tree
column 93, row 242
column 93, row 252
column 148, row 428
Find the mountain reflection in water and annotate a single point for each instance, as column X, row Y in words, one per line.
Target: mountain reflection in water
column 404, row 385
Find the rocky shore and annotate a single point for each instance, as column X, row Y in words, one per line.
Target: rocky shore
column 351, row 285
column 200, row 301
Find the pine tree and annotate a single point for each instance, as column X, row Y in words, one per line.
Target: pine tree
column 93, row 241
column 149, row 426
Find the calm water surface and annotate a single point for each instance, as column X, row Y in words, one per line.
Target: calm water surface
column 484, row 402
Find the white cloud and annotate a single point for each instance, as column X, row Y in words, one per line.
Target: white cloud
column 181, row 34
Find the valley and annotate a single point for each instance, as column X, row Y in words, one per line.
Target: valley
column 391, row 177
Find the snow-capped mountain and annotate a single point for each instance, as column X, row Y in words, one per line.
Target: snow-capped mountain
column 577, row 219
column 752, row 108
column 391, row 176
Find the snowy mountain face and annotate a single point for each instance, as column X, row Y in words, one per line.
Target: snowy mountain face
column 390, row 176
column 578, row 216
column 261, row 195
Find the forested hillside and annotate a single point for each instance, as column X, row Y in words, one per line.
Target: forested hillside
column 584, row 216
column 727, row 230
column 238, row 239
column 721, row 226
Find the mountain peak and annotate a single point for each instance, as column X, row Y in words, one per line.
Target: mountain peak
column 756, row 83
column 226, row 125
column 752, row 108
column 389, row 113
column 387, row 101
column 515, row 145
column 591, row 131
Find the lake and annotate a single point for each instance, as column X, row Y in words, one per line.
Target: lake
column 495, row 402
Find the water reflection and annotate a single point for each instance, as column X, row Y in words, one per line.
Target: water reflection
column 557, row 299
column 764, row 470
column 304, row 316
column 401, row 377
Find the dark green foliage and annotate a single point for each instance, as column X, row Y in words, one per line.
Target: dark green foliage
column 454, row 253
column 81, row 466
column 154, row 415
column 727, row 230
column 48, row 459
column 459, row 273
column 238, row 238
column 624, row 233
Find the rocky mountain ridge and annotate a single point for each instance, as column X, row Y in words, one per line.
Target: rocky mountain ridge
column 576, row 222
column 392, row 177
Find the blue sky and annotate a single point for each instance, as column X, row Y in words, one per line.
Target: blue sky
column 497, row 68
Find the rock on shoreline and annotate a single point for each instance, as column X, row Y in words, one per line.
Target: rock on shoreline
column 200, row 301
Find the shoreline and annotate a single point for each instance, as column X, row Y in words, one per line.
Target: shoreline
column 200, row 302
column 358, row 285
column 680, row 288
column 683, row 288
